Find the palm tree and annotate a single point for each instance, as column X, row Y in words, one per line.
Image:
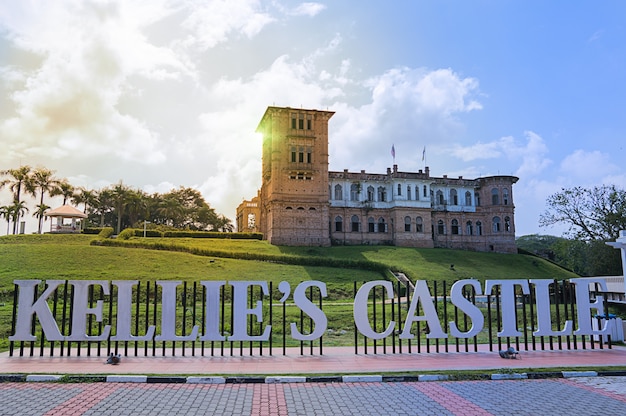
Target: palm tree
column 103, row 204
column 6, row 212
column 44, row 182
column 21, row 178
column 40, row 214
column 18, row 209
column 119, row 195
column 63, row 187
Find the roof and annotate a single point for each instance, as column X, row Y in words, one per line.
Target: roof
column 67, row 211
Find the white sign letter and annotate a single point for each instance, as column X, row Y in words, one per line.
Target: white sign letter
column 40, row 307
column 308, row 307
column 507, row 293
column 430, row 313
column 584, row 306
column 475, row 315
column 124, row 313
column 544, row 318
column 80, row 311
column 361, row 318
column 211, row 329
column 240, row 301
column 168, row 314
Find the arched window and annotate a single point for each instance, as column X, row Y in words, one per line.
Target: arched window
column 455, row 227
column 425, row 192
column 338, row 223
column 495, row 197
column 370, row 193
column 399, row 189
column 382, row 227
column 407, row 224
column 477, row 198
column 419, row 225
column 417, row 193
column 354, row 192
column 382, row 193
column 338, row 193
column 469, row 228
column 441, row 228
column 479, row 228
column 507, row 224
column 408, row 192
column 251, row 221
column 468, row 198
column 496, row 224
column 356, row 224
column 440, row 199
column 454, row 198
column 371, row 225
column 505, row 196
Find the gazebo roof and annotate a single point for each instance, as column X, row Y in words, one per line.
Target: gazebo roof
column 66, row 211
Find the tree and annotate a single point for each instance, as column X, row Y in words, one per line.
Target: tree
column 18, row 181
column 64, row 188
column 40, row 214
column 103, row 204
column 6, row 212
column 42, row 181
column 18, row 209
column 119, row 195
column 591, row 214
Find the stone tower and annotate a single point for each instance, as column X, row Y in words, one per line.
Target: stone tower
column 294, row 191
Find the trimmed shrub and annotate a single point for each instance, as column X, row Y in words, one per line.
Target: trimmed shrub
column 106, row 232
column 92, row 230
column 126, row 234
column 212, row 234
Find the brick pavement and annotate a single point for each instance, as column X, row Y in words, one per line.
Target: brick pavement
column 592, row 395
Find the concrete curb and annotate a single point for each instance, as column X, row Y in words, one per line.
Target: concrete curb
column 352, row 378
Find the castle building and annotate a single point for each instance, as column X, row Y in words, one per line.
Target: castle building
column 302, row 203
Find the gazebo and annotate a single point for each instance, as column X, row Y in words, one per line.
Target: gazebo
column 67, row 219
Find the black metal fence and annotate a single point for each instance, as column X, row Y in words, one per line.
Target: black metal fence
column 191, row 310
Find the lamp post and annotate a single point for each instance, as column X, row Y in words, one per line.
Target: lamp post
column 144, row 228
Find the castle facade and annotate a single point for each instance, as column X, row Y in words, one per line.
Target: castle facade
column 302, row 203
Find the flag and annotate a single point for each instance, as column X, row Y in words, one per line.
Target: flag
column 424, row 153
column 393, row 150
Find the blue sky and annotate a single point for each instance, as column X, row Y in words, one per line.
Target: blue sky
column 167, row 93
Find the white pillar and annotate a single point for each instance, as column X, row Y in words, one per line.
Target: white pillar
column 621, row 244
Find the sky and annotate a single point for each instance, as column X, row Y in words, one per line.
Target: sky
column 161, row 94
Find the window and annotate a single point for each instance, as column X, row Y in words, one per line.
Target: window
column 301, row 122
column 507, row 224
column 454, row 198
column 496, row 224
column 293, row 120
column 441, row 229
column 301, row 156
column 425, row 192
column 505, row 196
column 455, row 227
column 370, row 225
column 407, row 224
column 469, row 229
column 382, row 193
column 370, row 193
column 440, row 199
column 495, row 197
column 309, row 158
column 399, row 189
column 354, row 192
column 419, row 225
column 251, row 221
column 338, row 193
column 382, row 227
column 479, row 228
column 468, row 198
column 408, row 192
column 477, row 198
column 417, row 193
column 293, row 155
column 356, row 224
column 308, row 122
column 338, row 223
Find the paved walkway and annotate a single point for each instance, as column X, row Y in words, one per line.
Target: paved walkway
column 337, row 360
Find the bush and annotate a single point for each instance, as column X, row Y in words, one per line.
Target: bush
column 92, row 230
column 213, row 234
column 106, row 232
column 126, row 234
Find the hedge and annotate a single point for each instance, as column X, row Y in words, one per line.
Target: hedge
column 285, row 259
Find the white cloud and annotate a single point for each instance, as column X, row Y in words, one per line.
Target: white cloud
column 307, row 9
column 588, row 166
